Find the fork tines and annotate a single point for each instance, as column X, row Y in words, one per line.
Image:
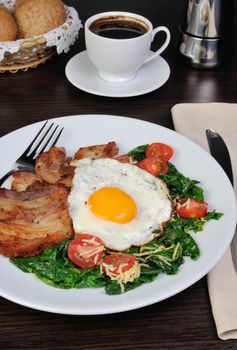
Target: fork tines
column 46, row 138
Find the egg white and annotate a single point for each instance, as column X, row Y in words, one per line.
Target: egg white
column 149, row 193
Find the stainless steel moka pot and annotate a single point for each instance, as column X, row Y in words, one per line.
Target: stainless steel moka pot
column 206, row 33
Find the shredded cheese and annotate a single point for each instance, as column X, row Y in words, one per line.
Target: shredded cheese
column 122, row 277
column 95, row 250
column 152, row 251
column 91, row 241
column 89, row 253
column 165, row 260
column 175, row 251
column 186, row 204
column 132, row 161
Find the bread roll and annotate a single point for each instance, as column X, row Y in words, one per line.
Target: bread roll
column 18, row 2
column 36, row 17
column 8, row 27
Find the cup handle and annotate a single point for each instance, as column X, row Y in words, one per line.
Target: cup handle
column 163, row 47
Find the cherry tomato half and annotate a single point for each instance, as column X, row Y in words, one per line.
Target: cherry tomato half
column 118, row 263
column 191, row 208
column 154, row 165
column 158, row 149
column 86, row 250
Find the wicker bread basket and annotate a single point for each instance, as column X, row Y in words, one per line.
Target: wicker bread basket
column 29, row 53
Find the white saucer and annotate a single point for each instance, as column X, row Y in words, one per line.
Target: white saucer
column 82, row 74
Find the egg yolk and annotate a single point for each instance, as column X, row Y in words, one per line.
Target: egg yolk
column 112, row 204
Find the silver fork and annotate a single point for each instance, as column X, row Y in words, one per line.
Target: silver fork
column 45, row 139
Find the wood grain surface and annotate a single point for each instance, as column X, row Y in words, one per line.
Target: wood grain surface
column 182, row 322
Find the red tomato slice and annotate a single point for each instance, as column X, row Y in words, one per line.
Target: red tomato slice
column 191, row 208
column 158, row 149
column 154, row 165
column 86, row 250
column 118, row 263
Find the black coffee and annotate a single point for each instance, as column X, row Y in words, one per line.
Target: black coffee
column 118, row 27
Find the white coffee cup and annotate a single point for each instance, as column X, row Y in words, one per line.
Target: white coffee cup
column 118, row 60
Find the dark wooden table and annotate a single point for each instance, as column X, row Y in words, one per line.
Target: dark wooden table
column 182, row 322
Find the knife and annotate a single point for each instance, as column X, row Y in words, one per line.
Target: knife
column 219, row 151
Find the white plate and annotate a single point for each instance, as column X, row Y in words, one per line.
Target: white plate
column 192, row 160
column 82, row 74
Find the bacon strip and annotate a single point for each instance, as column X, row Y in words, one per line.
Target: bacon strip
column 108, row 150
column 33, row 220
column 21, row 180
column 54, row 167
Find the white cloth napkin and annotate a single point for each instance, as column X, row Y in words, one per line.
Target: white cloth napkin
column 191, row 120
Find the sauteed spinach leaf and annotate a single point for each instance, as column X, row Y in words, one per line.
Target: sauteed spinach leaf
column 138, row 153
column 180, row 185
column 54, row 268
column 163, row 255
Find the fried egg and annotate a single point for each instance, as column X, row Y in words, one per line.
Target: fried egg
column 117, row 202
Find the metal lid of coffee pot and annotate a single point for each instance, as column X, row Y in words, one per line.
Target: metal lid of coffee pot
column 207, row 18
column 206, row 36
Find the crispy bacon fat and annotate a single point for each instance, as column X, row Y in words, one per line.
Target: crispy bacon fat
column 33, row 220
column 22, row 180
column 53, row 167
column 108, row 150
